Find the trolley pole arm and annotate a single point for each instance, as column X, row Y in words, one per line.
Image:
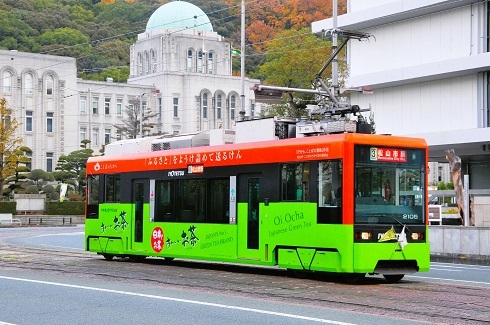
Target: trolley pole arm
column 331, row 58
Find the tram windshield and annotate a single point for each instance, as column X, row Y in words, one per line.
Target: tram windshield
column 387, row 188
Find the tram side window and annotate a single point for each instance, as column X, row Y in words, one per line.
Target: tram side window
column 113, row 188
column 330, row 191
column 329, row 183
column 163, row 201
column 192, row 200
column 92, row 197
column 295, row 182
column 219, row 202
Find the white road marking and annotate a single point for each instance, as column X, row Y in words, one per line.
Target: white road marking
column 314, row 319
column 443, row 279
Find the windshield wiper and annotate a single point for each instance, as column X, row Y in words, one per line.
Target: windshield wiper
column 401, row 224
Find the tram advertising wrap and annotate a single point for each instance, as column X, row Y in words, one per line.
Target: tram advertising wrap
column 347, row 203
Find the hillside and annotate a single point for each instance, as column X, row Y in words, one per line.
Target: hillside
column 99, row 33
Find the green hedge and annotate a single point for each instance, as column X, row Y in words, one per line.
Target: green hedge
column 8, row 207
column 65, row 208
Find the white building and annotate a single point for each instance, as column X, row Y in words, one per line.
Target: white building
column 190, row 64
column 180, row 69
column 429, row 65
column 37, row 89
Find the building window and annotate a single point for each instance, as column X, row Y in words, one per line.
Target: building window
column 147, row 64
column 119, row 107
column 107, row 106
column 199, row 62
column 28, row 88
column 29, row 164
column 83, row 104
column 107, row 136
column 49, row 122
column 140, row 64
column 232, row 107
column 218, row 106
column 49, row 162
column 160, row 107
column 95, row 105
column 7, row 82
column 95, row 137
column 28, row 121
column 189, row 60
column 210, row 63
column 83, row 134
column 205, row 105
column 49, row 85
column 153, row 61
column 176, row 107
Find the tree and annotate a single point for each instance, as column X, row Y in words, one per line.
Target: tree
column 130, row 127
column 9, row 143
column 65, row 41
column 293, row 59
column 40, row 177
column 21, row 161
column 71, row 168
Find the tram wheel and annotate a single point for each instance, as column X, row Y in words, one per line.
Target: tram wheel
column 136, row 258
column 168, row 259
column 299, row 274
column 108, row 257
column 353, row 278
column 393, row 278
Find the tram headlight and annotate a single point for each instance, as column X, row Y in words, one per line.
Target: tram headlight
column 417, row 236
column 363, row 235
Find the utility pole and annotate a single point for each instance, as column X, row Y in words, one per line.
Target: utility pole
column 89, row 112
column 335, row 62
column 141, row 115
column 242, row 62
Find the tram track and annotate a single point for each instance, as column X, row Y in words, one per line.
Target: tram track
column 409, row 299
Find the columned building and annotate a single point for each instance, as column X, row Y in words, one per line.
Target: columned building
column 37, row 88
column 190, row 65
column 180, row 70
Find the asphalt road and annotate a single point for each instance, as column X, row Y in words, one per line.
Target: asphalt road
column 47, row 278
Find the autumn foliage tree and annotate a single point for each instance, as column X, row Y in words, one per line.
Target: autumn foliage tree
column 293, row 58
column 266, row 20
column 20, row 162
column 9, row 143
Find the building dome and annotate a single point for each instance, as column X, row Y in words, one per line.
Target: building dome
column 181, row 15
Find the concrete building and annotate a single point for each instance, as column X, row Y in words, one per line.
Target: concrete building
column 190, row 64
column 37, row 89
column 429, row 64
column 180, row 69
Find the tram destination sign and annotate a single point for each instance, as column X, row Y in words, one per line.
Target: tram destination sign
column 388, row 155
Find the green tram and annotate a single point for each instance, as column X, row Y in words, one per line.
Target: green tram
column 344, row 203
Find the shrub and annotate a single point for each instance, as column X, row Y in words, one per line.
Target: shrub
column 65, row 208
column 8, row 207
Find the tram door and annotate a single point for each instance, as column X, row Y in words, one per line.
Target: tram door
column 138, row 198
column 248, row 220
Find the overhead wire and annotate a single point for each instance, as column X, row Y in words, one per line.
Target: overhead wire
column 124, row 34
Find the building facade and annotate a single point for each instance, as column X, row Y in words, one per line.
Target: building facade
column 37, row 89
column 428, row 64
column 180, row 70
column 190, row 64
